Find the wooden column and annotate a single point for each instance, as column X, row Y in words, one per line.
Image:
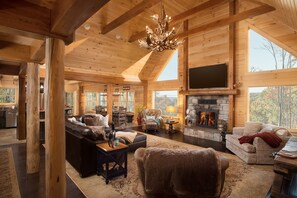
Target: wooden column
column 109, row 101
column 81, row 99
column 231, row 66
column 185, row 66
column 33, row 133
column 21, row 130
column 55, row 182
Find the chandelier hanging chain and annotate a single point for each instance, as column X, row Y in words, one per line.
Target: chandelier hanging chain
column 161, row 38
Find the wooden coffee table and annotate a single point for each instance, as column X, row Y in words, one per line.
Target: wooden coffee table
column 111, row 162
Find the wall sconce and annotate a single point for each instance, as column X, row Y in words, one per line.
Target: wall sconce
column 237, row 84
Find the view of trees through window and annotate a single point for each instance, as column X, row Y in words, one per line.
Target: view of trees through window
column 69, row 99
column 164, row 99
column 276, row 105
column 7, row 95
column 266, row 55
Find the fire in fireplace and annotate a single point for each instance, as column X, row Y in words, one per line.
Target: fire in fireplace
column 207, row 118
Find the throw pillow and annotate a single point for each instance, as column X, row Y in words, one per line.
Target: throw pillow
column 150, row 117
column 72, row 119
column 251, row 128
column 268, row 128
column 104, row 121
column 281, row 132
column 91, row 120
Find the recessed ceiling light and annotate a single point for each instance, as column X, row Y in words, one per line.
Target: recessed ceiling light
column 87, row 26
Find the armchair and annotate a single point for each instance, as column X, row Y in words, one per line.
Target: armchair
column 151, row 119
column 181, row 173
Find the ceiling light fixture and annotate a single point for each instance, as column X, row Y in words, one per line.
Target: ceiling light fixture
column 161, row 38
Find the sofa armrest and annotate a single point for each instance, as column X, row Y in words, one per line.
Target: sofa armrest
column 238, row 130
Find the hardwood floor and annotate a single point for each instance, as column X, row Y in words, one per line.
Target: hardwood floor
column 32, row 185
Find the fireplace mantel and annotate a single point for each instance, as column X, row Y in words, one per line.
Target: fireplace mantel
column 210, row 92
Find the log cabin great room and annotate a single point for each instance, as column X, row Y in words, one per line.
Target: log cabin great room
column 150, row 78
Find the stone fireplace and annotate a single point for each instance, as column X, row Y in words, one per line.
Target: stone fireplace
column 204, row 114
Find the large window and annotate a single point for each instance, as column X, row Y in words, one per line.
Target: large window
column 163, row 99
column 276, row 105
column 127, row 100
column 7, row 95
column 91, row 101
column 103, row 99
column 265, row 55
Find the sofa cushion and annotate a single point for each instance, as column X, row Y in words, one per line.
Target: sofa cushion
column 251, row 128
column 91, row 120
column 249, row 148
column 268, row 128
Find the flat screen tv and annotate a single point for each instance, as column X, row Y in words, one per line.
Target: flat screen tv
column 212, row 76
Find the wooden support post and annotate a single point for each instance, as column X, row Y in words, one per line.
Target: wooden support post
column 33, row 133
column 55, row 182
column 185, row 68
column 109, row 101
column 21, row 130
column 81, row 99
column 231, row 66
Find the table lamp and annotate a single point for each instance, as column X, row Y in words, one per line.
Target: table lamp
column 170, row 110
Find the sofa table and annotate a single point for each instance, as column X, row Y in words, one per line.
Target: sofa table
column 285, row 180
column 111, row 162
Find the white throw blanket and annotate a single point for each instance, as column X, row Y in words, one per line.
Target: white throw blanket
column 129, row 136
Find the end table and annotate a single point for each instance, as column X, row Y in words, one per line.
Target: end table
column 111, row 162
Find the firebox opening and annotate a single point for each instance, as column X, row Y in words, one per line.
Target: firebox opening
column 207, row 118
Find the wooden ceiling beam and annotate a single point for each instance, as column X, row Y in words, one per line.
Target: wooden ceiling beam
column 89, row 77
column 139, row 8
column 37, row 52
column 27, row 19
column 9, row 69
column 68, row 15
column 14, row 52
column 185, row 15
column 228, row 20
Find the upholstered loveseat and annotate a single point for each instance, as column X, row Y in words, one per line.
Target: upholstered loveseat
column 259, row 152
column 81, row 140
column 181, row 173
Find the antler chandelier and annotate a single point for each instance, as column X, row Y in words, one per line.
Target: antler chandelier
column 161, row 39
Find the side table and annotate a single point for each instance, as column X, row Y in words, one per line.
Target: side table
column 170, row 126
column 111, row 162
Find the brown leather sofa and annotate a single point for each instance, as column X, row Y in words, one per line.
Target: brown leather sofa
column 81, row 151
column 181, row 173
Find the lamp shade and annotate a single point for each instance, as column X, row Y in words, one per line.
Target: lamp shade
column 170, row 109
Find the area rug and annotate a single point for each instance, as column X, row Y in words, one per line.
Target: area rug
column 9, row 186
column 240, row 177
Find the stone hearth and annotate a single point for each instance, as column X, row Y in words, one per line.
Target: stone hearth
column 218, row 104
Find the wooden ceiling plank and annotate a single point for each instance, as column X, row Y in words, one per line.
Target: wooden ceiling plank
column 228, row 20
column 185, row 15
column 65, row 18
column 139, row 8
